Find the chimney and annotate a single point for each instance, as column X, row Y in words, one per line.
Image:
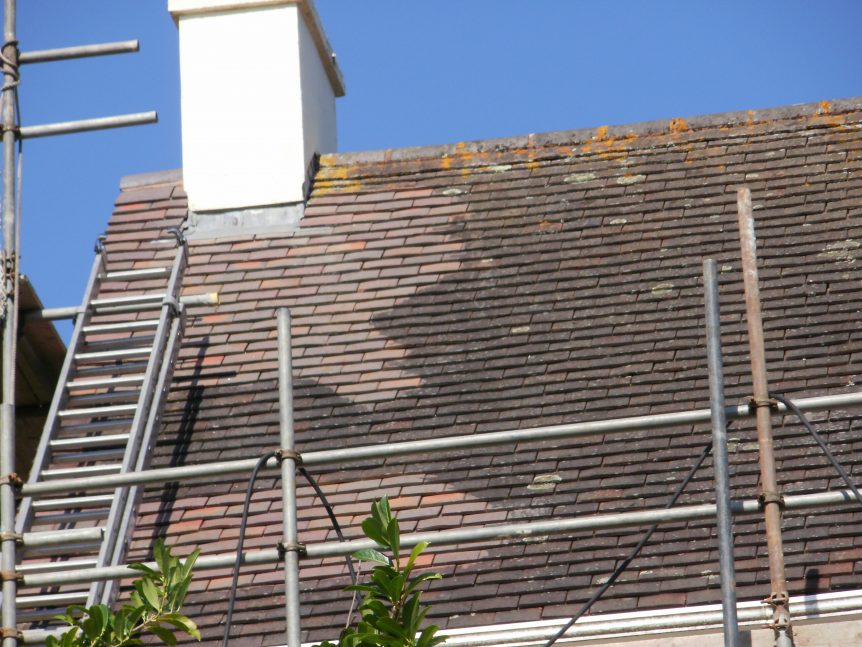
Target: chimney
column 259, row 82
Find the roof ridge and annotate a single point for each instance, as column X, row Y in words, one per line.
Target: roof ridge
column 581, row 135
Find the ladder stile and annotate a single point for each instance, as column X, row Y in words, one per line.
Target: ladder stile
column 22, row 520
column 170, row 311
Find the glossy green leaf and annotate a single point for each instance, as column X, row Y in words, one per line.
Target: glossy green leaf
column 164, row 634
column 371, row 555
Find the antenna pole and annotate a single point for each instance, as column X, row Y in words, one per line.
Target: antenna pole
column 8, row 327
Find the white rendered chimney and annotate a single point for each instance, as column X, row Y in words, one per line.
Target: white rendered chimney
column 258, row 82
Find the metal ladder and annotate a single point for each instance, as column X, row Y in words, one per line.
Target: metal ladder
column 103, row 420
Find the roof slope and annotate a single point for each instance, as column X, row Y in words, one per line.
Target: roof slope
column 510, row 284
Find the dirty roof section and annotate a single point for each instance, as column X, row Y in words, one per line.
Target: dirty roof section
column 511, row 284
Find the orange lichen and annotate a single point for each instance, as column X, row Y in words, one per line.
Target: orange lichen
column 328, row 188
column 601, row 133
column 678, row 125
column 328, row 159
column 824, row 107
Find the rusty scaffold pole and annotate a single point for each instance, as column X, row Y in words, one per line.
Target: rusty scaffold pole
column 8, row 328
column 770, row 496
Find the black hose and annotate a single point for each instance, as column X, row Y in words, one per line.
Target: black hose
column 232, row 598
column 623, row 565
column 817, row 437
column 332, row 518
column 248, row 494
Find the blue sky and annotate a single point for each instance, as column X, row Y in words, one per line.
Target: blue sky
column 417, row 73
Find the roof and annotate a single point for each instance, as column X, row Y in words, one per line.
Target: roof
column 509, row 284
column 40, row 353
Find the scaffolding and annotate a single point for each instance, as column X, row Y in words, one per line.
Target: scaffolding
column 771, row 503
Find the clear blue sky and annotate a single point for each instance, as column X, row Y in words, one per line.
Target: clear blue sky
column 417, row 72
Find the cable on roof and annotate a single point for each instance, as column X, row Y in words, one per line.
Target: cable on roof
column 242, row 526
column 623, row 565
column 331, row 513
column 817, row 437
column 248, row 493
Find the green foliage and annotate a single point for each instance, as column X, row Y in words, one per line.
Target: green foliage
column 391, row 612
column 154, row 608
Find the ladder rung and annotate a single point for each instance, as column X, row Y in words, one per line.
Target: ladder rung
column 68, row 503
column 105, row 397
column 102, row 371
column 72, row 444
column 87, row 470
column 107, row 382
column 53, row 567
column 98, row 412
column 116, row 343
column 87, row 456
column 51, row 600
column 122, row 326
column 37, row 615
column 99, row 425
column 66, row 517
column 134, row 275
column 110, row 355
column 127, row 304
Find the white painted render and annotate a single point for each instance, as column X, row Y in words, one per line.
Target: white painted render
column 257, row 102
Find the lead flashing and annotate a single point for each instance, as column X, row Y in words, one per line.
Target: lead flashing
column 280, row 219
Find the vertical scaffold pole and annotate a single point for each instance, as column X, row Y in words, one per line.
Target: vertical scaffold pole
column 288, row 479
column 770, row 495
column 8, row 327
column 727, row 572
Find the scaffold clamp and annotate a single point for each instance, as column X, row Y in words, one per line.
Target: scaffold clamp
column 283, row 454
column 771, row 497
column 754, row 404
column 12, row 479
column 6, row 632
column 8, row 576
column 285, row 547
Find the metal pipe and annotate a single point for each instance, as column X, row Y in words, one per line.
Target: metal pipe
column 646, row 623
column 70, row 312
column 79, row 51
column 85, row 125
column 290, row 543
column 8, row 327
column 329, row 456
column 719, row 456
column 638, row 518
column 52, row 314
column 60, row 537
column 770, row 493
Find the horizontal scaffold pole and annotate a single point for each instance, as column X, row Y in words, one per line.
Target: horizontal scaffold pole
column 79, row 51
column 86, row 125
column 351, row 454
column 70, row 312
column 438, row 538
